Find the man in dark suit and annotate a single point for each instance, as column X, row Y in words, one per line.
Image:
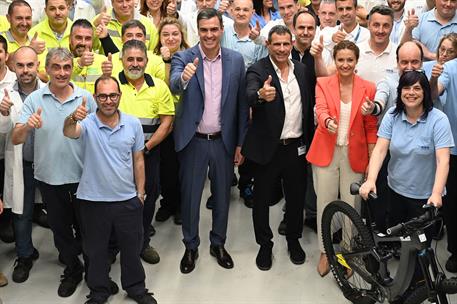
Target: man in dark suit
column 211, row 121
column 279, row 93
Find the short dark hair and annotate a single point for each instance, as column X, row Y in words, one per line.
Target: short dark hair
column 135, row 44
column 132, row 24
column 419, row 46
column 279, row 30
column 84, row 23
column 353, row 1
column 208, row 13
column 4, row 44
column 46, row 3
column 382, row 10
column 346, row 45
column 106, row 78
column 17, row 3
column 301, row 12
column 409, row 78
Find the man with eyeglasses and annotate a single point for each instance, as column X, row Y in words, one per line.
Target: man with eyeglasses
column 113, row 145
column 57, row 160
column 149, row 99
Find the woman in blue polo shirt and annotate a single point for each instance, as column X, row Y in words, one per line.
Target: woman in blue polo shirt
column 419, row 139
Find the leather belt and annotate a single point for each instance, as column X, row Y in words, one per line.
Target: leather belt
column 288, row 141
column 211, row 136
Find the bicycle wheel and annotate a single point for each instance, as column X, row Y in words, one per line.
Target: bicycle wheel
column 358, row 287
column 420, row 295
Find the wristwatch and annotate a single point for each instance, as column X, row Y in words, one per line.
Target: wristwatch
column 141, row 196
column 259, row 100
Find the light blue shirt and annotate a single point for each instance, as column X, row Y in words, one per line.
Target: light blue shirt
column 386, row 92
column 250, row 51
column 57, row 159
column 427, row 67
column 262, row 22
column 412, row 166
column 108, row 174
column 429, row 31
column 449, row 100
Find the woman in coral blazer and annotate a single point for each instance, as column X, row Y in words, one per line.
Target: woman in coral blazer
column 344, row 136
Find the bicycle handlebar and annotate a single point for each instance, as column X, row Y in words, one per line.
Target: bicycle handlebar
column 354, row 189
column 427, row 217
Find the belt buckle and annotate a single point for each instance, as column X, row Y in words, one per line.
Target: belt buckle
column 208, row 136
column 283, row 141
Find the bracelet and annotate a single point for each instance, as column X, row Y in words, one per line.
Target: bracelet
column 327, row 121
column 72, row 118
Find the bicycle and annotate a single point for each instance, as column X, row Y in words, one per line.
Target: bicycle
column 358, row 256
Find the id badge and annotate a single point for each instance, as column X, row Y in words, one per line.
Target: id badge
column 301, row 150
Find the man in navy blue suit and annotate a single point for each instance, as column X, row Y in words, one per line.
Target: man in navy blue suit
column 210, row 124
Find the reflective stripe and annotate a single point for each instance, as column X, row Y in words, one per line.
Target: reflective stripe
column 114, row 33
column 149, row 121
column 88, row 78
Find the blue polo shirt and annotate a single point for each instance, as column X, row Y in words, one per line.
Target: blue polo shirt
column 429, row 31
column 449, row 100
column 427, row 67
column 108, row 158
column 57, row 159
column 412, row 166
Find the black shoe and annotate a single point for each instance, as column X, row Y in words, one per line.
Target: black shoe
column 296, row 253
column 210, row 203
column 248, row 196
column 7, row 233
column 311, row 223
column 40, row 217
column 264, row 258
column 188, row 260
column 282, row 227
column 234, row 180
column 177, row 218
column 22, row 267
column 223, row 257
column 95, row 301
column 162, row 214
column 70, row 280
column 146, row 298
column 451, row 264
column 152, row 230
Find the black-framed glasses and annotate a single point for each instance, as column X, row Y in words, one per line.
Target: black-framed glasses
column 104, row 97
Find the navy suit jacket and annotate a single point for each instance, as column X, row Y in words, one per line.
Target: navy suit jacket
column 189, row 110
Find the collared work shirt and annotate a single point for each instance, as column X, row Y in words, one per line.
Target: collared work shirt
column 374, row 67
column 449, row 100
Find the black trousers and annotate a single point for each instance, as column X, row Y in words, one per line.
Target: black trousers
column 63, row 217
column 380, row 207
column 100, row 220
column 152, row 188
column 169, row 176
column 289, row 167
column 450, row 206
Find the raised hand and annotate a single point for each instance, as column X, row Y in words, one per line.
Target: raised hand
column 190, row 70
column 35, row 120
column 338, row 36
column 255, row 31
column 223, row 6
column 6, row 104
column 81, row 111
column 101, row 31
column 412, row 20
column 267, row 92
column 165, row 52
column 38, row 45
column 437, row 69
column 107, row 65
column 317, row 47
column 87, row 58
column 367, row 106
column 171, row 8
column 104, row 18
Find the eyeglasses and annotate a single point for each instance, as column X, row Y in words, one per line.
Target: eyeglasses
column 112, row 97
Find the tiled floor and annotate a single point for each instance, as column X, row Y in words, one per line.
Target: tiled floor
column 208, row 283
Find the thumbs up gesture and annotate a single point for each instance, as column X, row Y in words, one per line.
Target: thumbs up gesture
column 38, row 45
column 103, row 17
column 35, row 121
column 338, row 36
column 223, row 6
column 6, row 104
column 171, row 8
column 437, row 69
column 317, row 47
column 412, row 20
column 367, row 107
column 81, row 111
column 190, row 70
column 332, row 125
column 267, row 92
column 107, row 65
column 87, row 58
column 255, row 31
column 101, row 31
column 165, row 52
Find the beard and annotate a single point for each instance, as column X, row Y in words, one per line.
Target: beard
column 134, row 73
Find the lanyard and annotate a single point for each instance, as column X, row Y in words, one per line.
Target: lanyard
column 356, row 35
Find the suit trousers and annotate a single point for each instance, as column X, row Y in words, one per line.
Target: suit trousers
column 100, row 220
column 331, row 180
column 450, row 206
column 288, row 166
column 63, row 216
column 152, row 189
column 194, row 161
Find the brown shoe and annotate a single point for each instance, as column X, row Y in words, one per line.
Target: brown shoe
column 323, row 268
column 3, row 280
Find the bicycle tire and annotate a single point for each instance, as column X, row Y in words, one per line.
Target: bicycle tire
column 353, row 289
column 420, row 295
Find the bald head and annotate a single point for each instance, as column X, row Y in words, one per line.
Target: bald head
column 409, row 56
column 26, row 65
column 242, row 11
